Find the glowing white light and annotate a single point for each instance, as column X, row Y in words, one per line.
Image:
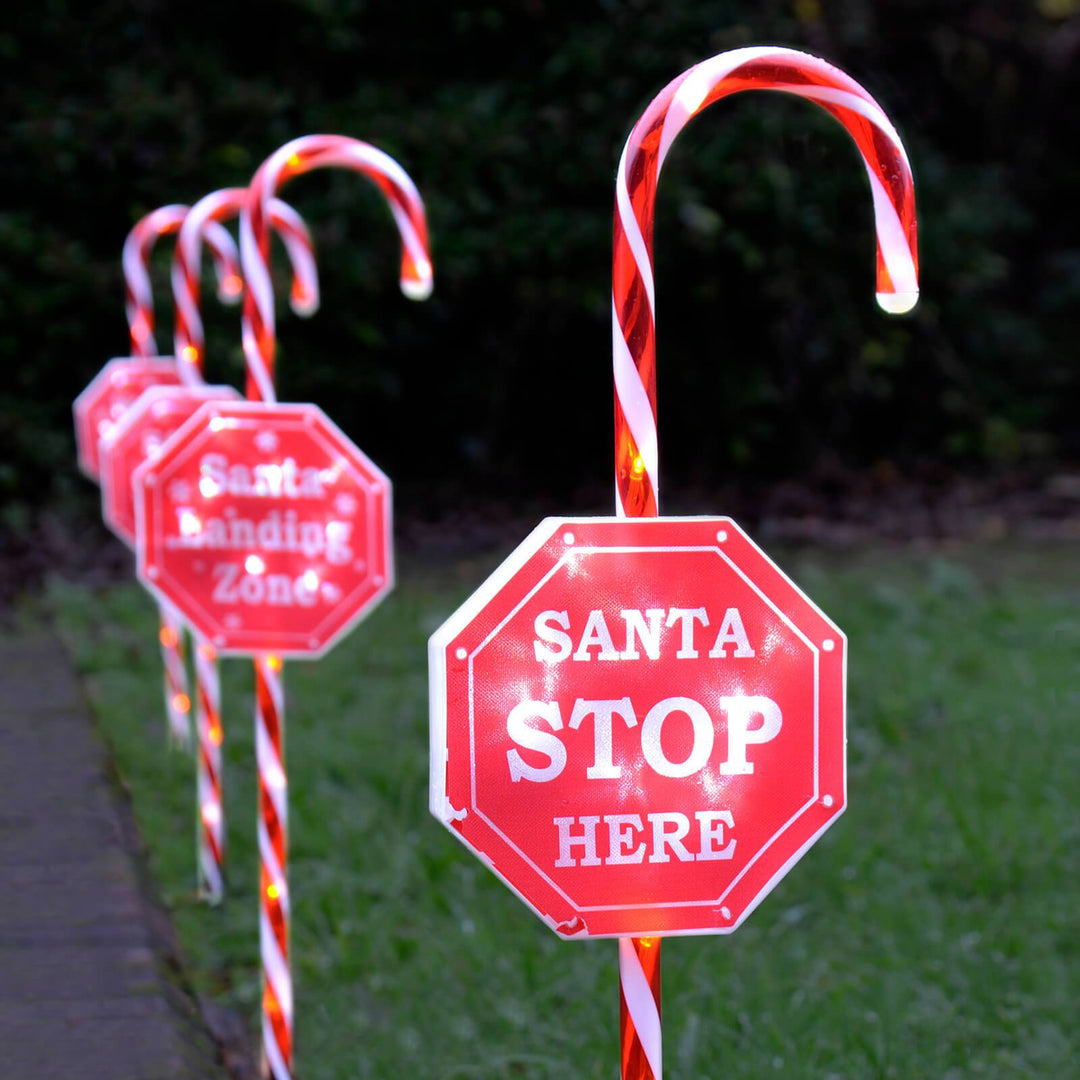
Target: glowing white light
column 275, row 778
column 310, row 580
column 211, row 813
column 190, row 524
column 209, row 487
column 336, row 531
column 254, row 565
column 332, row 473
column 897, row 303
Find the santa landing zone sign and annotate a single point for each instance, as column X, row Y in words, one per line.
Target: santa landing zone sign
column 266, row 527
column 638, row 724
column 139, row 436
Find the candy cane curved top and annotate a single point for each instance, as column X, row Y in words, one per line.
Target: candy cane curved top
column 633, row 302
column 139, row 296
column 294, row 158
column 189, row 339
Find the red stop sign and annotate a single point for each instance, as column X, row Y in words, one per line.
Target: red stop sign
column 266, row 527
column 638, row 724
column 108, row 396
column 138, row 436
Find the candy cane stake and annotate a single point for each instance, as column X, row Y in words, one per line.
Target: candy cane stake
column 139, row 304
column 190, row 348
column 297, row 157
column 634, row 337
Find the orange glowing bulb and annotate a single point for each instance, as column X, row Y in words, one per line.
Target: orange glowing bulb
column 273, row 892
column 181, row 702
column 167, row 637
column 232, row 285
column 273, row 663
column 637, row 469
column 294, row 160
column 190, row 354
column 217, row 736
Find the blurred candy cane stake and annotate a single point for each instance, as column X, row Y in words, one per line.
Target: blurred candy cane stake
column 139, row 304
column 299, row 156
column 634, row 337
column 190, row 349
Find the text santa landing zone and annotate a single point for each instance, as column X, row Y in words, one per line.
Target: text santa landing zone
column 266, row 527
column 641, row 725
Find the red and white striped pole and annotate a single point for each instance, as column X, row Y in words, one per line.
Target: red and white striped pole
column 634, row 337
column 297, row 157
column 139, row 304
column 190, row 348
column 210, row 734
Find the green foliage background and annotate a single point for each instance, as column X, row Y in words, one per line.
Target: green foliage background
column 511, row 117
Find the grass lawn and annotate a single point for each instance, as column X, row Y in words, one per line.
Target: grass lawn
column 934, row 932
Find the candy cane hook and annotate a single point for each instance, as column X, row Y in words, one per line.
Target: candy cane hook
column 190, row 349
column 300, row 156
column 297, row 157
column 633, row 305
column 634, row 337
column 139, row 297
column 204, row 218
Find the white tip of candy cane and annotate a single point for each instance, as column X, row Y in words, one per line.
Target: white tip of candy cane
column 231, row 289
column 897, row 303
column 305, row 306
column 417, row 289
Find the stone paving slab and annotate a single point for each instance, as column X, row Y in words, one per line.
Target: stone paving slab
column 86, row 983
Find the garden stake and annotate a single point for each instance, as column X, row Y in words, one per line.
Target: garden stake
column 139, row 304
column 190, row 350
column 297, row 157
column 634, row 341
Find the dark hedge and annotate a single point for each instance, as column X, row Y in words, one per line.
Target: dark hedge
column 510, row 117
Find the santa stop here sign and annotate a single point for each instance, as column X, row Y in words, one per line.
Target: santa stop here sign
column 638, row 725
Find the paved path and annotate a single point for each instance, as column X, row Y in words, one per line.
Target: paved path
column 88, row 989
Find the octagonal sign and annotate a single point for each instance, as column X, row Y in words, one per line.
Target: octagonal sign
column 139, row 436
column 638, row 724
column 266, row 527
column 111, row 392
